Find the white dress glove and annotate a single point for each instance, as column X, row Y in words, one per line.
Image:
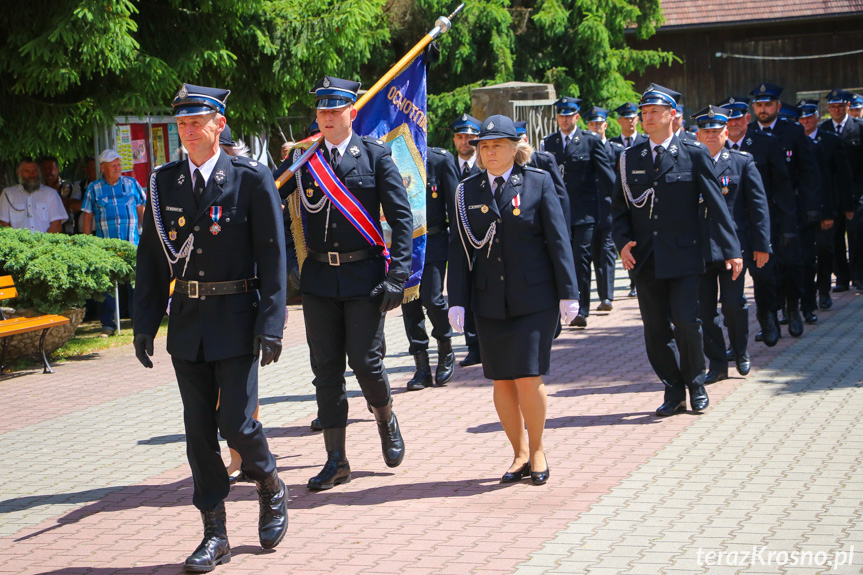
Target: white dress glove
column 568, row 310
column 456, row 318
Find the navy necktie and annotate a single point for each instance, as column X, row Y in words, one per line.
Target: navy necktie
column 660, row 151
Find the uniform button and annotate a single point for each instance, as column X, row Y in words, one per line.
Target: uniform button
column 655, row 233
column 498, row 220
column 255, row 304
column 201, row 273
column 655, row 183
column 203, row 298
column 501, row 278
column 496, row 240
column 197, row 229
column 199, row 250
column 227, row 219
column 333, row 225
column 498, row 259
column 655, row 217
column 335, row 244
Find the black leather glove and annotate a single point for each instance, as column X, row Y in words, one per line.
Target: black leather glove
column 813, row 217
column 270, row 348
column 393, row 290
column 144, row 349
column 787, row 240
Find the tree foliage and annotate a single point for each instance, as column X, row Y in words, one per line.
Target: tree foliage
column 69, row 65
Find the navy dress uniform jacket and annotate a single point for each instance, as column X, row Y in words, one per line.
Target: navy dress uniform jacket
column 672, row 232
column 614, row 150
column 368, row 171
column 852, row 139
column 529, row 266
column 587, row 172
column 251, row 244
column 545, row 161
column 747, row 203
column 775, row 176
column 637, row 139
column 800, row 157
column 441, row 182
column 836, row 177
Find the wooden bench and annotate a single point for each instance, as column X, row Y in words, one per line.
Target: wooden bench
column 12, row 327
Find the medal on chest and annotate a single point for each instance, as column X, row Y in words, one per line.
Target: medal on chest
column 434, row 191
column 516, row 202
column 215, row 215
column 724, row 180
column 172, row 235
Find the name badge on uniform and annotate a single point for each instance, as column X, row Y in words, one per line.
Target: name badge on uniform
column 215, row 214
column 636, row 172
column 173, row 209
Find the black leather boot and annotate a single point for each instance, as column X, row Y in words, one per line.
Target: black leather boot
column 422, row 376
column 445, row 362
column 336, row 470
column 391, row 438
column 273, row 513
column 214, row 549
column 769, row 327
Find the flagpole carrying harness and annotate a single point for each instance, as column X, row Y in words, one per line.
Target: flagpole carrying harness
column 464, row 229
column 175, row 256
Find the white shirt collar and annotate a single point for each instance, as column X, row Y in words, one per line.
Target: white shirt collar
column 342, row 148
column 505, row 177
column 470, row 162
column 206, row 168
column 719, row 153
column 771, row 125
column 664, row 144
column 739, row 142
column 841, row 125
column 814, row 133
column 563, row 135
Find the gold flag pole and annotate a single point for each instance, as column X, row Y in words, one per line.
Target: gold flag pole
column 442, row 25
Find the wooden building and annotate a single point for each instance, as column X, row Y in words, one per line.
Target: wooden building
column 727, row 47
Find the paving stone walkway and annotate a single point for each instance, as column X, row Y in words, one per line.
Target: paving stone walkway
column 95, row 478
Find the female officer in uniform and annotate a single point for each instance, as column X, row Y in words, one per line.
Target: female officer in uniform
column 511, row 261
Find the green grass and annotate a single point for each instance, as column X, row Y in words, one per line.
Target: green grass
column 86, row 341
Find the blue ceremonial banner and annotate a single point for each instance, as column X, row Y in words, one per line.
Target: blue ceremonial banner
column 397, row 115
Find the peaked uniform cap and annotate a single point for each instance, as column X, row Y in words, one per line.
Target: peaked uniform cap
column 567, row 106
column 466, row 124
column 766, row 92
column 497, row 127
column 332, row 93
column 657, row 95
column 711, row 117
column 596, row 114
column 627, row 110
column 194, row 100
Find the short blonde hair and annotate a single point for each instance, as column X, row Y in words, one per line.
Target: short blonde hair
column 523, row 152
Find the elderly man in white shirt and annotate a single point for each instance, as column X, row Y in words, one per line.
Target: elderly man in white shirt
column 31, row 205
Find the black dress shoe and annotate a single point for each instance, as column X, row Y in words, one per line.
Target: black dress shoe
column 273, row 511
column 238, row 476
column 606, row 305
column 517, row 475
column 579, row 321
column 810, row 317
column 633, row 292
column 670, row 408
column 729, row 353
column 825, row 302
column 422, row 376
column 392, row 444
column 472, row 357
column 445, row 362
column 214, row 549
column 698, row 399
column 840, row 287
column 743, row 364
column 795, row 324
column 715, row 375
column 316, row 425
column 539, row 477
column 336, row 470
column 770, row 332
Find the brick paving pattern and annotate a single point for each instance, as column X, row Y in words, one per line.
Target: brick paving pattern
column 95, row 478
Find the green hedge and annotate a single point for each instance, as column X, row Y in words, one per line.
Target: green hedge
column 53, row 272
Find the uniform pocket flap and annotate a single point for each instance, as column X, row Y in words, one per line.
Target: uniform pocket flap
column 687, row 240
column 355, row 180
column 678, row 177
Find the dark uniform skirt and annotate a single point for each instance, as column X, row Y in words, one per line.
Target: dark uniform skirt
column 517, row 346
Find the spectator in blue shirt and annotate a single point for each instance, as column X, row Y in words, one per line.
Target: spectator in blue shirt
column 116, row 203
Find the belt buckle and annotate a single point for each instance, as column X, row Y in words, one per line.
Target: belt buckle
column 333, row 258
column 193, row 289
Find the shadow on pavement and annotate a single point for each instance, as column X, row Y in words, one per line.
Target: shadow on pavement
column 638, row 418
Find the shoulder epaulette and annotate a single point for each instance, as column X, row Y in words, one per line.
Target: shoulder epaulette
column 618, row 144
column 741, row 152
column 167, row 166
column 440, row 151
column 376, row 141
column 245, row 162
column 695, row 143
column 527, row 168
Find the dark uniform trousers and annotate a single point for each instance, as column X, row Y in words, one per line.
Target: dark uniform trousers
column 675, row 353
column 588, row 174
column 734, row 312
column 442, row 181
column 341, row 318
column 210, row 338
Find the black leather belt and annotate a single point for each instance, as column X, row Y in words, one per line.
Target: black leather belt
column 197, row 289
column 339, row 258
column 436, row 229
